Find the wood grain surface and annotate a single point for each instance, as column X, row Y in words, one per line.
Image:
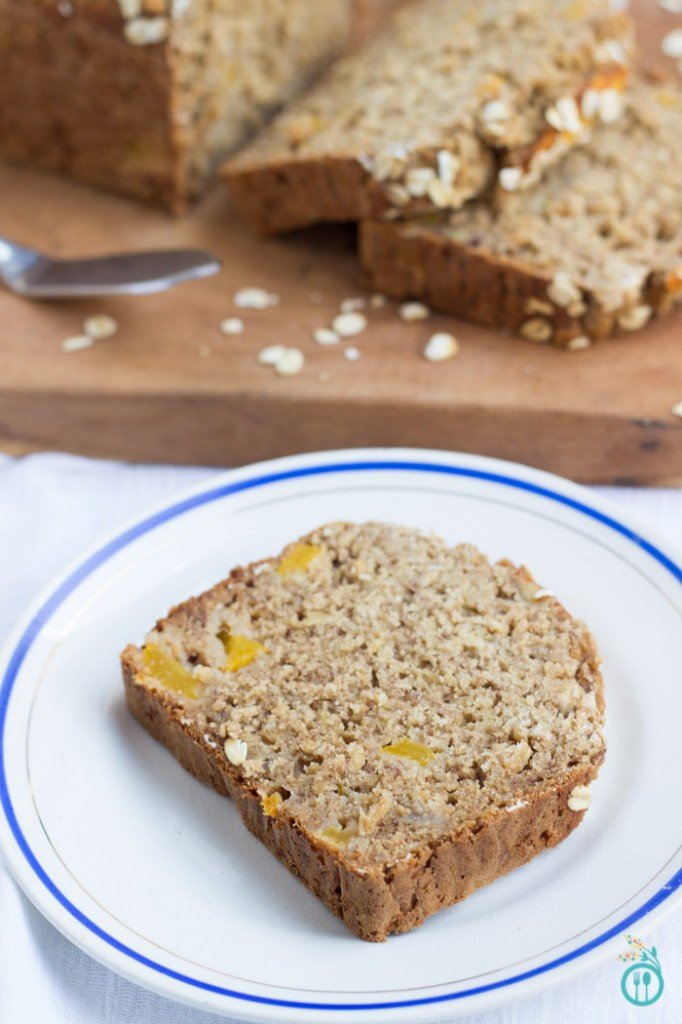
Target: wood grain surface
column 169, row 387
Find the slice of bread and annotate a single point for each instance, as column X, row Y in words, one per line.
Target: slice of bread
column 423, row 117
column 400, row 722
column 593, row 249
column 147, row 96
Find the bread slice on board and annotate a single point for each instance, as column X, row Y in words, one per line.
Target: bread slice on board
column 423, row 117
column 593, row 249
column 146, row 96
column 399, row 721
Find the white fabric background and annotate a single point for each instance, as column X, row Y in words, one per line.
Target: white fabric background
column 51, row 507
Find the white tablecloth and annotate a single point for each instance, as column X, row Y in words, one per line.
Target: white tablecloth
column 51, row 506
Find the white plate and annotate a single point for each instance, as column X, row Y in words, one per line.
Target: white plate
column 155, row 876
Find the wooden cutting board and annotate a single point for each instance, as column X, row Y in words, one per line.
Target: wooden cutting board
column 169, row 387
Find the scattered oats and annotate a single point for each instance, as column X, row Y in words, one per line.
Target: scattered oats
column 581, row 342
column 565, row 116
column 633, row 319
column 535, row 305
column 612, row 106
column 236, row 751
column 677, row 410
column 232, row 326
column 418, row 180
column 130, row 9
column 347, row 325
column 536, row 329
column 562, row 290
column 271, row 355
column 672, row 44
column 255, row 298
column 411, row 312
column 672, row 6
column 290, row 362
column 590, row 103
column 325, row 336
column 441, row 347
column 204, row 350
column 352, row 353
column 77, row 342
column 579, row 798
column 448, row 166
column 352, row 305
column 66, row 8
column 147, row 31
column 100, row 327
column 511, row 178
column 540, row 594
column 377, row 301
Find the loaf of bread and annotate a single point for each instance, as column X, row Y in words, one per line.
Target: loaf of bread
column 593, row 249
column 399, row 721
column 145, row 96
column 451, row 94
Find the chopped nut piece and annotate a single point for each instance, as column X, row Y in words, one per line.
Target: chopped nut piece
column 236, row 751
column 535, row 305
column 536, row 329
column 579, row 798
column 77, row 342
column 325, row 336
column 411, row 312
column 562, row 290
column 348, row 325
column 440, row 347
column 579, row 343
column 255, row 298
column 232, row 326
column 635, row 318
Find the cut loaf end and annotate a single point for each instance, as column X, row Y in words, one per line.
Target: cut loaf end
column 592, row 250
column 448, row 98
column 399, row 721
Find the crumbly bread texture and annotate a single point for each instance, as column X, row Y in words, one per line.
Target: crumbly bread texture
column 424, row 115
column 146, row 96
column 593, row 249
column 399, row 721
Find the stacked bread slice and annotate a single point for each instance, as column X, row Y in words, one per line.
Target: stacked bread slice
column 502, row 162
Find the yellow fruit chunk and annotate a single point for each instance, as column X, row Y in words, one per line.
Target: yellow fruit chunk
column 169, row 672
column 337, row 836
column 410, row 750
column 240, row 650
column 272, row 804
column 298, row 558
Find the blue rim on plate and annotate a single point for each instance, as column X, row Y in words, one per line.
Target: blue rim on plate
column 49, row 607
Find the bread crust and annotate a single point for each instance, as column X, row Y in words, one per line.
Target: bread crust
column 409, row 261
column 379, row 900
